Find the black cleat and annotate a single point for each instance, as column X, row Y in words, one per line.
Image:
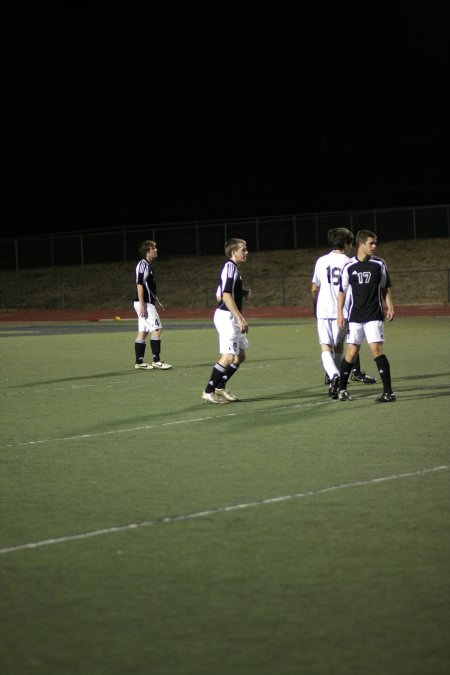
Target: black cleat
column 387, row 397
column 362, row 377
column 333, row 389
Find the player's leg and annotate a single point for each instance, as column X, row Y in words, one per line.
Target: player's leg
column 155, row 327
column 375, row 339
column 359, row 376
column 229, row 350
column 327, row 334
column 232, row 368
column 355, row 336
column 140, row 343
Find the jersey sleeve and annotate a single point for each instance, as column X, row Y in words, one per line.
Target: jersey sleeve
column 140, row 272
column 315, row 277
column 228, row 278
column 344, row 280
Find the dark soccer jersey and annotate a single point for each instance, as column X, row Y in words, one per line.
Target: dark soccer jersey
column 146, row 278
column 364, row 281
column 230, row 281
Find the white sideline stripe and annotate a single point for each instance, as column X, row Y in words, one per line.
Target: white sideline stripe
column 220, row 509
column 146, row 427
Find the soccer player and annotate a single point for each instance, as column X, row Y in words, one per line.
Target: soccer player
column 324, row 291
column 366, row 279
column 145, row 306
column 230, row 324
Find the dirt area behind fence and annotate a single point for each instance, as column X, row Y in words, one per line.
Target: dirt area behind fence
column 280, row 282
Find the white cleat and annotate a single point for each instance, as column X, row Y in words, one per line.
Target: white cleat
column 143, row 366
column 211, row 397
column 344, row 395
column 160, row 365
column 224, row 393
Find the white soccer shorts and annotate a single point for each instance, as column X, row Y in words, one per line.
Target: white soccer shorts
column 372, row 331
column 231, row 340
column 151, row 323
column 329, row 333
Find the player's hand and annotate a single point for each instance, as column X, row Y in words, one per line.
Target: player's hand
column 244, row 326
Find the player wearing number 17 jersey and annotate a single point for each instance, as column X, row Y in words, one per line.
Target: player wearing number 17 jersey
column 365, row 284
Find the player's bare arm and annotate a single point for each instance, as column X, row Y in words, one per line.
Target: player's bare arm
column 142, row 305
column 341, row 322
column 314, row 295
column 231, row 306
column 387, row 297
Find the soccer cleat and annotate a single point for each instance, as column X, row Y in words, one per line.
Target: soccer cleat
column 224, row 393
column 143, row 366
column 387, row 397
column 327, row 379
column 160, row 365
column 344, row 395
column 211, row 397
column 333, row 389
column 362, row 377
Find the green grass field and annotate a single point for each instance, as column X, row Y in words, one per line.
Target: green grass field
column 144, row 531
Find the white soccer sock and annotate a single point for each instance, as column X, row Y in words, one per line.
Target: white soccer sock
column 329, row 364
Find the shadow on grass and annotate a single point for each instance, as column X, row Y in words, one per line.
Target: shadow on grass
column 77, row 378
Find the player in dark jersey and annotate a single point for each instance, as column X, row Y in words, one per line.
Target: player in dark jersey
column 366, row 280
column 230, row 324
column 145, row 307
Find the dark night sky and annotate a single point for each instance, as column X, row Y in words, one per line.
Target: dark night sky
column 115, row 116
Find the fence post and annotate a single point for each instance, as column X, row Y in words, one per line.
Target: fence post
column 283, row 290
column 61, row 292
column 197, row 239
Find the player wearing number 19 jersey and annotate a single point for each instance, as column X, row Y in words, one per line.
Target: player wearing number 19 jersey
column 325, row 286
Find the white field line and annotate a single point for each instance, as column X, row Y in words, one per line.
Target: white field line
column 146, row 427
column 218, row 510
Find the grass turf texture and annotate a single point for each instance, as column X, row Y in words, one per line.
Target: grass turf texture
column 346, row 580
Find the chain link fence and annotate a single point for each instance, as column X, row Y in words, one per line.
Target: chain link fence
column 108, row 245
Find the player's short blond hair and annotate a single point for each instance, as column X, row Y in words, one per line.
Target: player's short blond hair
column 144, row 246
column 232, row 245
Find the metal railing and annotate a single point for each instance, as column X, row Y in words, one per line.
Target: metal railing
column 308, row 230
